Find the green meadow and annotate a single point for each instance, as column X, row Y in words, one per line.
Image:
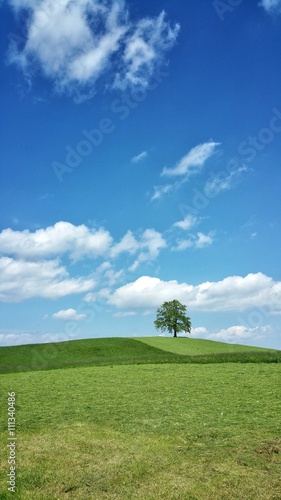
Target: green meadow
column 149, row 418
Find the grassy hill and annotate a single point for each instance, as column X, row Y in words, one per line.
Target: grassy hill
column 109, row 351
column 196, row 347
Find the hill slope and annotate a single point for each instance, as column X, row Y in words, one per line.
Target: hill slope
column 116, row 351
column 193, row 347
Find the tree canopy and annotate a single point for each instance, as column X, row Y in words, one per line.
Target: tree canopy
column 171, row 317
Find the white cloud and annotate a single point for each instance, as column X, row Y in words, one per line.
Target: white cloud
column 188, row 222
column 138, row 158
column 223, row 181
column 74, row 43
column 271, row 5
column 199, row 331
column 234, row 293
column 128, row 244
column 193, row 161
column 21, row 280
column 69, row 315
column 159, row 191
column 63, row 237
column 32, row 268
column 151, row 243
column 91, row 297
column 237, row 333
column 23, row 337
column 204, row 240
column 15, row 337
column 201, row 240
column 128, row 314
column 144, row 50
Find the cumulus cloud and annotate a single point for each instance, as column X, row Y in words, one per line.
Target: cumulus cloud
column 234, row 293
column 138, row 158
column 128, row 244
column 237, row 333
column 75, row 43
column 78, row 242
column 63, row 237
column 271, row 5
column 201, row 240
column 15, row 337
column 31, row 261
column 151, row 243
column 193, row 161
column 69, row 315
column 188, row 222
column 21, row 280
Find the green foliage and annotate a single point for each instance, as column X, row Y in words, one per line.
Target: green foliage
column 171, row 317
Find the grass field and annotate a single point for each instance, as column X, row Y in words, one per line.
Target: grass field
column 145, row 431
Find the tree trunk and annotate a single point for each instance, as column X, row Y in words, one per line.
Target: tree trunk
column 175, row 332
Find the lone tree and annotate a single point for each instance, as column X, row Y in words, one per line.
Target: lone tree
column 171, row 317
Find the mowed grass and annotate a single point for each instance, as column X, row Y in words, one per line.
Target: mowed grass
column 195, row 347
column 157, row 431
column 107, row 351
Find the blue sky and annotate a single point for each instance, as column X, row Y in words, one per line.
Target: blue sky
column 140, row 151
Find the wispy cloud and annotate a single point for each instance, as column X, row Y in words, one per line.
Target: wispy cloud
column 128, row 314
column 75, row 43
column 223, row 181
column 138, row 158
column 69, row 315
column 144, row 50
column 201, row 240
column 193, row 161
column 160, row 191
column 271, row 5
column 191, row 164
